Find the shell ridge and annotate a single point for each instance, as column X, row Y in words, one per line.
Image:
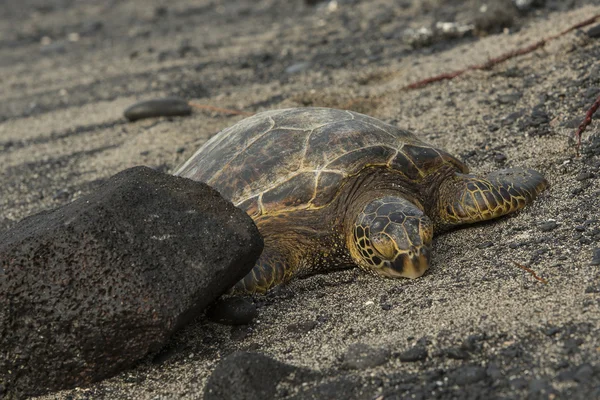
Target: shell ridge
column 288, row 177
column 353, row 151
column 250, row 143
column 306, row 147
column 380, row 129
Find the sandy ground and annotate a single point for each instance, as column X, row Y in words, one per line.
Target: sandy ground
column 68, row 70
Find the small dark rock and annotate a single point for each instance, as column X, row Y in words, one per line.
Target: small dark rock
column 473, row 342
column 572, row 123
column 499, row 158
column 596, row 257
column 527, row 5
column 518, row 383
column 592, row 289
column 572, row 345
column 539, row 387
column 537, row 117
column 567, row 375
column 561, row 364
column 95, row 285
column 468, row 374
column 551, row 330
column 548, row 226
column 163, row 56
column 160, row 11
column 239, row 332
column 512, row 117
column 457, row 353
column 582, row 176
column 232, row 311
column 495, row 16
column 91, row 27
column 493, row 371
column 302, row 327
column 243, row 375
column 186, row 47
column 583, row 373
column 417, row 353
column 165, row 107
column 594, row 31
column 485, row 245
column 509, row 98
column 361, row 356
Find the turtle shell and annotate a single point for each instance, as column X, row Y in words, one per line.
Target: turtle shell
column 291, row 159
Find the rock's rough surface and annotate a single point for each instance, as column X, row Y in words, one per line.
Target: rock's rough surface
column 88, row 289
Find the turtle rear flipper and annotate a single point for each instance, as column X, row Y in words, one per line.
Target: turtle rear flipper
column 467, row 198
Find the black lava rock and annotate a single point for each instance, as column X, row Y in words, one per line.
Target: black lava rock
column 232, row 311
column 584, row 373
column 538, row 117
column 417, row 353
column 582, row 176
column 499, row 158
column 165, row 107
column 457, row 353
column 89, row 288
column 495, row 16
column 468, row 374
column 509, row 98
column 245, row 376
column 548, row 226
column 594, row 31
column 527, row 5
column 596, row 257
column 302, row 327
column 362, row 356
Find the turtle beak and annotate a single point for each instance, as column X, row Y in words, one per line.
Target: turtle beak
column 407, row 266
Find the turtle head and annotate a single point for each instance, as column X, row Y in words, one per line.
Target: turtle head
column 392, row 237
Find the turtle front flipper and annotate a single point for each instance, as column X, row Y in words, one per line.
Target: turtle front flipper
column 271, row 269
column 465, row 199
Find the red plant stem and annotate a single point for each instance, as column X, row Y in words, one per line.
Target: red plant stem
column 586, row 121
column 497, row 60
column 532, row 272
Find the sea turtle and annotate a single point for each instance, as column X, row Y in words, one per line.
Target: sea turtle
column 329, row 188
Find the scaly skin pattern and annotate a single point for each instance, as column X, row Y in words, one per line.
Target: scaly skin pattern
column 392, row 230
column 467, row 199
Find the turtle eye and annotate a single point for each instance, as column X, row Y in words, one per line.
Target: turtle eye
column 384, row 245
